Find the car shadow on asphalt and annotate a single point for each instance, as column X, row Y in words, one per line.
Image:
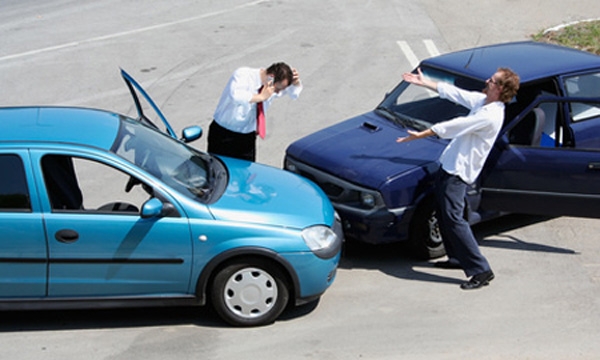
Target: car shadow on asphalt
column 391, row 259
column 396, row 259
column 52, row 320
column 491, row 234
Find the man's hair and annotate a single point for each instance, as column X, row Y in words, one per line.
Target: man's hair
column 509, row 83
column 281, row 71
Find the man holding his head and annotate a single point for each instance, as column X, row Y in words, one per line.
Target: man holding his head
column 239, row 116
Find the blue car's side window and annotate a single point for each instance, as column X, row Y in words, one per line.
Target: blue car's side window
column 61, row 183
column 77, row 184
column 14, row 195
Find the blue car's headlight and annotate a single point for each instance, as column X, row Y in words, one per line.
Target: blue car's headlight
column 322, row 240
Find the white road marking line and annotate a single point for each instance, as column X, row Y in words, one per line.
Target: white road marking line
column 431, row 48
column 410, row 55
column 126, row 33
column 414, row 60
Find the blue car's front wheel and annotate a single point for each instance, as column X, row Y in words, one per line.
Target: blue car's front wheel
column 249, row 293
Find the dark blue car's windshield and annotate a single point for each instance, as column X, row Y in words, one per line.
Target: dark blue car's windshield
column 419, row 108
column 192, row 173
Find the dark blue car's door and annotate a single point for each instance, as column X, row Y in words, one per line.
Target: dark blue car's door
column 559, row 175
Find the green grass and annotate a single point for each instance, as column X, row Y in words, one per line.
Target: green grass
column 584, row 36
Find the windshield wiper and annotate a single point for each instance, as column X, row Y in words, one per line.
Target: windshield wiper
column 402, row 119
column 389, row 114
column 417, row 124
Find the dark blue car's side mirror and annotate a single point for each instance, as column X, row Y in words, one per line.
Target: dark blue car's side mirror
column 191, row 133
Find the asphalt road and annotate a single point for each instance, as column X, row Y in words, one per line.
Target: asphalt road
column 544, row 302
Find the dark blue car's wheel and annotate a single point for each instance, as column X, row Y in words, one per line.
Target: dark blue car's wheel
column 425, row 237
column 249, row 293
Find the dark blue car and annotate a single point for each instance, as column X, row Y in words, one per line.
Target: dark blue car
column 546, row 159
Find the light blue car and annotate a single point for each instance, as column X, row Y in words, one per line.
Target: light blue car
column 98, row 209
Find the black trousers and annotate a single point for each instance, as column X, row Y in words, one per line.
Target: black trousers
column 459, row 241
column 229, row 143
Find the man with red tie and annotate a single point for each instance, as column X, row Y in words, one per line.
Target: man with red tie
column 239, row 116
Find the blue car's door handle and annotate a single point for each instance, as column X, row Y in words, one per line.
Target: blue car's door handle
column 66, row 236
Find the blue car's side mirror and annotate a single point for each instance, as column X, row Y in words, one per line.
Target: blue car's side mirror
column 152, row 208
column 191, row 133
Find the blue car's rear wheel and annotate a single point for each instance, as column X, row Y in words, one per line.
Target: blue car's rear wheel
column 249, row 293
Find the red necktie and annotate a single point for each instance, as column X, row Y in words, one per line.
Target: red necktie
column 261, row 124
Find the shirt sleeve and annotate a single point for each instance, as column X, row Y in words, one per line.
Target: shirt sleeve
column 461, row 125
column 240, row 87
column 468, row 99
column 294, row 90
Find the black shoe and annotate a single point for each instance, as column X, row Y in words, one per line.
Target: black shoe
column 448, row 264
column 478, row 281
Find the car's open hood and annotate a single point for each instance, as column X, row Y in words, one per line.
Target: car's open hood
column 363, row 150
column 133, row 85
column 265, row 195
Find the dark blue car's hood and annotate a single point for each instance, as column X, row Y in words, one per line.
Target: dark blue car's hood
column 363, row 150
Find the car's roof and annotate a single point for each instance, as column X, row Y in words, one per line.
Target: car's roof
column 59, row 125
column 530, row 60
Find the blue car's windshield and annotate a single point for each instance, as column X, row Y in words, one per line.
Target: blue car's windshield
column 419, row 108
column 192, row 173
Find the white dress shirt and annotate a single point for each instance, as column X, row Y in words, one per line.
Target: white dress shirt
column 234, row 111
column 472, row 136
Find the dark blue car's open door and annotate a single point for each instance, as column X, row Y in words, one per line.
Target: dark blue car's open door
column 560, row 177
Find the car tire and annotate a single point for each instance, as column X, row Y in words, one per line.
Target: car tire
column 425, row 238
column 249, row 293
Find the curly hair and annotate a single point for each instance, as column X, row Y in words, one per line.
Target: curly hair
column 509, row 82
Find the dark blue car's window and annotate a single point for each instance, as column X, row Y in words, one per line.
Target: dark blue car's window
column 14, row 195
column 418, row 107
column 584, row 86
column 587, row 85
column 584, row 110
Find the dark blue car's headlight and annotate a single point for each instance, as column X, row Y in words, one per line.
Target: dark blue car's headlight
column 322, row 241
column 368, row 199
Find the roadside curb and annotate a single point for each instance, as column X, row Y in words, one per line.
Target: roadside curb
column 562, row 26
